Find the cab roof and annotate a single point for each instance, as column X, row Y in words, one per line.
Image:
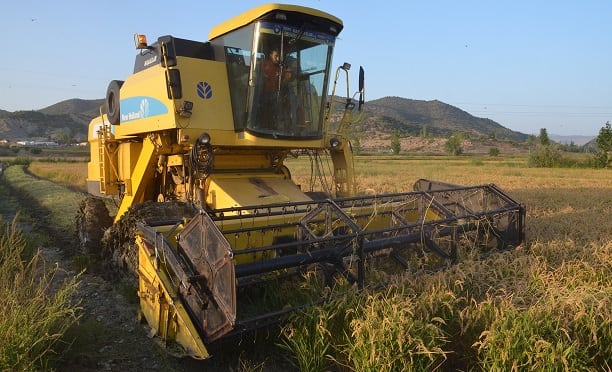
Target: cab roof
column 268, row 11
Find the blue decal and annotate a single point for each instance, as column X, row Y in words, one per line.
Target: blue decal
column 141, row 107
column 204, row 90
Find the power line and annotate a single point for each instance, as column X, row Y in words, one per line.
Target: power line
column 541, row 113
column 524, row 105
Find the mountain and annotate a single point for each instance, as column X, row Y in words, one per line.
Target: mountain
column 434, row 118
column 591, row 146
column 64, row 120
column 576, row 140
column 75, row 106
column 382, row 117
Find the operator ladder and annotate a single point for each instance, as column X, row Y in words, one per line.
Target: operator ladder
column 101, row 154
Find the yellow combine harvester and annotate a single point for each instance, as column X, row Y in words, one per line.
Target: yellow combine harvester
column 194, row 145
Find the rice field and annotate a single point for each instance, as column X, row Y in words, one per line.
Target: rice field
column 546, row 305
column 569, row 196
column 71, row 174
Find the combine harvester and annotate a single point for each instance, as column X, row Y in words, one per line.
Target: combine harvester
column 194, row 145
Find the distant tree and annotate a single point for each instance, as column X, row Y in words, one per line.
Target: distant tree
column 604, row 139
column 544, row 154
column 543, row 137
column 453, row 145
column 532, row 140
column 395, row 144
column 356, row 145
column 604, row 146
column 544, row 157
column 493, row 151
column 424, row 131
column 62, row 136
column 572, row 147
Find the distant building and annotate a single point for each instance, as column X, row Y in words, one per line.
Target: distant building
column 37, row 143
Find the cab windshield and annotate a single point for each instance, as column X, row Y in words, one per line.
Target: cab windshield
column 287, row 82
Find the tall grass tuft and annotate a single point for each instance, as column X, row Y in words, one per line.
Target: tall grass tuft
column 368, row 331
column 391, row 334
column 309, row 341
column 544, row 308
column 566, row 322
column 37, row 307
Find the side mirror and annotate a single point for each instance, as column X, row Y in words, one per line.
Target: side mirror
column 361, row 87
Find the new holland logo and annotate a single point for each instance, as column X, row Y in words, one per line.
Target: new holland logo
column 204, row 90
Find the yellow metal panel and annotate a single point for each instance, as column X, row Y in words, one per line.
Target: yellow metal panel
column 160, row 305
column 247, row 139
column 212, row 112
column 93, row 169
column 344, row 177
column 128, row 156
column 149, row 88
column 243, row 160
column 220, row 137
column 102, row 167
column 140, row 178
column 227, row 191
column 253, row 14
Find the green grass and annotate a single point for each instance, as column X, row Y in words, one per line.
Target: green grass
column 37, row 305
column 59, row 202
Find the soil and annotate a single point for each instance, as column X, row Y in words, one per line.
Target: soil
column 109, row 335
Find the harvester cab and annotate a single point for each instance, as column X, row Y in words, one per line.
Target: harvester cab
column 194, row 145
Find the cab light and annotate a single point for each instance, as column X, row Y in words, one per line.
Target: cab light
column 140, row 41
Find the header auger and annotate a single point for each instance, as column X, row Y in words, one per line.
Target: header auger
column 194, row 144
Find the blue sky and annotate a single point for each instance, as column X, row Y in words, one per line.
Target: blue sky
column 525, row 64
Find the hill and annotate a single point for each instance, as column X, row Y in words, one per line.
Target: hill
column 63, row 121
column 382, row 117
column 577, row 139
column 591, row 146
column 409, row 117
column 75, row 106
